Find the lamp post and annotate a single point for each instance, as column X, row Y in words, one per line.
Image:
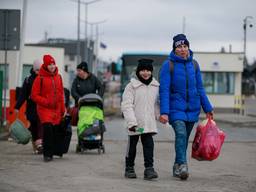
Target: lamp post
column 96, row 45
column 78, row 33
column 245, row 28
column 85, row 29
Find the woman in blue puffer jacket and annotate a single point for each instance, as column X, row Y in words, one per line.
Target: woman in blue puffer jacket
column 181, row 97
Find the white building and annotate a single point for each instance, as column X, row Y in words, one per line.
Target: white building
column 222, row 77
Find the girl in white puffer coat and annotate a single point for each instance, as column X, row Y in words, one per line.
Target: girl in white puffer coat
column 140, row 109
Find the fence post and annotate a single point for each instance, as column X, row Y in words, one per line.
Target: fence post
column 242, row 108
column 237, row 104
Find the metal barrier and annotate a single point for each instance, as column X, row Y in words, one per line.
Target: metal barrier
column 239, row 104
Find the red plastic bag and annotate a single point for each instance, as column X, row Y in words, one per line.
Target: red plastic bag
column 208, row 141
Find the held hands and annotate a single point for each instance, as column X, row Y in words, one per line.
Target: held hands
column 209, row 115
column 164, row 119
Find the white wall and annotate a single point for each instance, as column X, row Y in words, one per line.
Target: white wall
column 225, row 62
column 222, row 101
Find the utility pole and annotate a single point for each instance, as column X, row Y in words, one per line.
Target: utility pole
column 78, row 33
column 22, row 40
column 85, row 30
column 96, row 44
column 245, row 30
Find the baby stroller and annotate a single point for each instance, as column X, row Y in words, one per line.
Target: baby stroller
column 90, row 127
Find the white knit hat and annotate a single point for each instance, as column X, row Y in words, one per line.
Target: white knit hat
column 37, row 64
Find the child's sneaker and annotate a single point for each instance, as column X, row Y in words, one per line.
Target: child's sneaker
column 130, row 173
column 150, row 173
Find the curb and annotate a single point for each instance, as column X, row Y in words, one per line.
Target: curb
column 238, row 124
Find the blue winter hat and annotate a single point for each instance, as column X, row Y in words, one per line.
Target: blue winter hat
column 179, row 40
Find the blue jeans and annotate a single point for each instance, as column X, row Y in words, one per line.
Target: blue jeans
column 182, row 131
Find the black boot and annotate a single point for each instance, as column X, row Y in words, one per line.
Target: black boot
column 150, row 173
column 130, row 173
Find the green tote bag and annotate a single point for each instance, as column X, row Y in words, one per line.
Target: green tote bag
column 19, row 132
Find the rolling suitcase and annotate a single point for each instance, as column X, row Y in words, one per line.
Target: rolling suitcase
column 63, row 135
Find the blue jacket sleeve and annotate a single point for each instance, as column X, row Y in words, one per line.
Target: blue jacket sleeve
column 164, row 89
column 206, row 105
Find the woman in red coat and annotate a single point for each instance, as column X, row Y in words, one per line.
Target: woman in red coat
column 48, row 93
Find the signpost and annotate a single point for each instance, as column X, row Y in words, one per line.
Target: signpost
column 9, row 40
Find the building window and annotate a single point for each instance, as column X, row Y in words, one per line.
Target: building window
column 26, row 71
column 219, row 82
column 5, row 78
column 208, row 81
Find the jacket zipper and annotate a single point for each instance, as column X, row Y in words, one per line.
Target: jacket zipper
column 55, row 95
column 187, row 95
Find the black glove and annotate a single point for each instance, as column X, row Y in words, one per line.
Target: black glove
column 133, row 128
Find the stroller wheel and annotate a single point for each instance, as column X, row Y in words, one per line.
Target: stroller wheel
column 78, row 149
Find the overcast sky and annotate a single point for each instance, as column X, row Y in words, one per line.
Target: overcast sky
column 145, row 25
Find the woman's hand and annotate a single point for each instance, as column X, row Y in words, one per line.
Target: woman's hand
column 209, row 115
column 164, row 119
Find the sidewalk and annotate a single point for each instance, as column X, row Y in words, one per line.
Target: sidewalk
column 234, row 119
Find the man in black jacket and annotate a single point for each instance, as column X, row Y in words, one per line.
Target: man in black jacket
column 85, row 83
column 31, row 111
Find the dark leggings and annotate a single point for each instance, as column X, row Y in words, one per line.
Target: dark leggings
column 148, row 149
